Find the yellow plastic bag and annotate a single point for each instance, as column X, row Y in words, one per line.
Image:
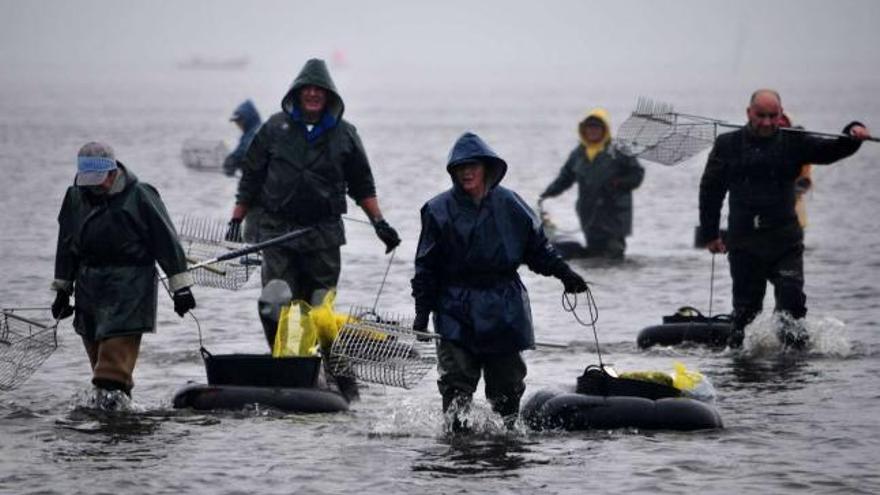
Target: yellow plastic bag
column 648, row 376
column 683, row 379
column 296, row 335
column 326, row 320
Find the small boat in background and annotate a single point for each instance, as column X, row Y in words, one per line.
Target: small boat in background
column 206, row 63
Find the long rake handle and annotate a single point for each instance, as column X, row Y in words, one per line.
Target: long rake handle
column 252, row 248
column 801, row 131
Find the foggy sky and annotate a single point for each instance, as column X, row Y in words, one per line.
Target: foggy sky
column 457, row 39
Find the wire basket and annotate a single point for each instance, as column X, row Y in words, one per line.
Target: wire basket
column 203, row 154
column 25, row 343
column 656, row 133
column 203, row 239
column 380, row 348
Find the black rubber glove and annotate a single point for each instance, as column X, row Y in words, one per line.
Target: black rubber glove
column 420, row 324
column 573, row 282
column 61, row 308
column 387, row 234
column 183, row 301
column 233, row 232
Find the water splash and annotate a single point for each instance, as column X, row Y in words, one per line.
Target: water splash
column 827, row 335
column 109, row 401
column 413, row 419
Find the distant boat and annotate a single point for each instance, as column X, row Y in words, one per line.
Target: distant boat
column 205, row 63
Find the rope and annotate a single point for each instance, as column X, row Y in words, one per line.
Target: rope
column 385, row 277
column 570, row 306
column 712, row 286
column 198, row 325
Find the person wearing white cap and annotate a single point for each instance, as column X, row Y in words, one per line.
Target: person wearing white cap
column 113, row 229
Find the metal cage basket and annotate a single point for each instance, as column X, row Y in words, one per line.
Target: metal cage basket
column 381, row 348
column 204, row 239
column 25, row 343
column 203, row 154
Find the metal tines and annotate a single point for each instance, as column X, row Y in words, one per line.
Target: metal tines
column 28, row 336
column 657, row 133
column 381, row 348
column 203, row 239
column 203, row 154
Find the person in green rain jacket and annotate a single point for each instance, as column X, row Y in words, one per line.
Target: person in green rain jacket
column 298, row 169
column 113, row 229
column 606, row 177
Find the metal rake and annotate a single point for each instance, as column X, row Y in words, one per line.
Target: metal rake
column 381, row 348
column 203, row 239
column 657, row 133
column 25, row 343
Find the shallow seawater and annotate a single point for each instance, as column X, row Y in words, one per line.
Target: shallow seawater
column 794, row 421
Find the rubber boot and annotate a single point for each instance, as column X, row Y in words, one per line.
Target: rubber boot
column 348, row 387
column 793, row 335
column 91, row 351
column 736, row 337
column 508, row 409
column 274, row 296
column 115, row 364
column 456, row 405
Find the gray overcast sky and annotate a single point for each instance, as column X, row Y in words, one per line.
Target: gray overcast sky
column 450, row 36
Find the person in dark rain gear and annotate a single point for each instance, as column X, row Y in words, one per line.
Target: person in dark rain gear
column 298, row 169
column 758, row 166
column 606, row 177
column 247, row 118
column 113, row 229
column 474, row 237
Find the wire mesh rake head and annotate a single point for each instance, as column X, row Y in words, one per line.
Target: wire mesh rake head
column 25, row 342
column 203, row 239
column 203, row 154
column 656, row 133
column 381, row 348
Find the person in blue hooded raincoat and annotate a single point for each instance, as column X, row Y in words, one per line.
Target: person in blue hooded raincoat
column 474, row 237
column 247, row 118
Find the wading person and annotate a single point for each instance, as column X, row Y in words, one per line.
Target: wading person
column 474, row 237
column 758, row 166
column 298, row 169
column 113, row 230
column 247, row 118
column 606, row 178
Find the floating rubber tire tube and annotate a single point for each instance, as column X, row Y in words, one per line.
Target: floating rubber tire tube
column 574, row 412
column 302, row 400
column 712, row 333
column 569, row 249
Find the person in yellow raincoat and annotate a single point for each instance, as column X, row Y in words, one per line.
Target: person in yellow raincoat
column 606, row 177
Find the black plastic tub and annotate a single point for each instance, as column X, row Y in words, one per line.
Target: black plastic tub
column 261, row 370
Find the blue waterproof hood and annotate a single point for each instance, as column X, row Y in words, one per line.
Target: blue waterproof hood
column 470, row 147
column 247, row 113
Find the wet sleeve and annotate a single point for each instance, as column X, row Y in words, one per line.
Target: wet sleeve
column 356, row 167
column 713, row 189
column 66, row 261
column 540, row 256
column 253, row 167
column 162, row 240
column 429, row 257
column 824, row 151
column 563, row 180
column 632, row 172
column 234, row 159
